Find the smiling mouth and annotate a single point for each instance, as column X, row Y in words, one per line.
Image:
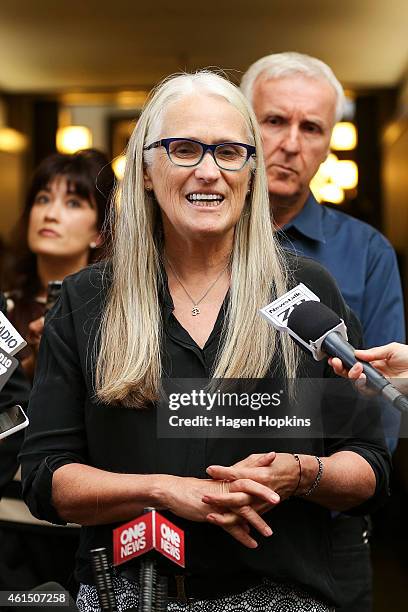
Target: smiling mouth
column 205, row 200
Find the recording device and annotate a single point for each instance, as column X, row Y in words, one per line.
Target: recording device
column 53, row 293
column 149, row 534
column 12, row 420
column 320, row 331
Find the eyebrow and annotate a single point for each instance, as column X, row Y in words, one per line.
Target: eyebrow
column 217, row 141
column 281, row 113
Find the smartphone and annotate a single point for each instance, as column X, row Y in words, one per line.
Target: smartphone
column 12, row 420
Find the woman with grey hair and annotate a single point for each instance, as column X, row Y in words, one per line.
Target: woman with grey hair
column 193, row 260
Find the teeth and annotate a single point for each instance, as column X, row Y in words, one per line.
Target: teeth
column 206, row 197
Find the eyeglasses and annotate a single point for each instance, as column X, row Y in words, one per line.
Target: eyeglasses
column 187, row 153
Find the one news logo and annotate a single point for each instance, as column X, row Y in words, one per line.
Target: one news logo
column 148, row 532
column 170, row 540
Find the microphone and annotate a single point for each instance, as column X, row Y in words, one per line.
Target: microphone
column 324, row 333
column 10, row 343
column 8, row 364
column 142, row 536
column 10, row 340
column 319, row 330
column 63, row 601
column 103, row 580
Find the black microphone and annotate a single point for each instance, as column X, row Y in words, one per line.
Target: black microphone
column 47, row 590
column 323, row 332
column 103, row 580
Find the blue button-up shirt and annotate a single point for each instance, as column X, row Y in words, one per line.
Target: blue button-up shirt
column 364, row 265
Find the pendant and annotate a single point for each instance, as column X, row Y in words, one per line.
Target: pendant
column 195, row 311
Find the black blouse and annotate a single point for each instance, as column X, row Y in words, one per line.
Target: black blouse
column 67, row 425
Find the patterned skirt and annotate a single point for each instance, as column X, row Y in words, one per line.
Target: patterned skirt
column 265, row 597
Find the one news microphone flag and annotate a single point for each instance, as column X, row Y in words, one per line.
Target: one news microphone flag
column 319, row 330
column 148, row 535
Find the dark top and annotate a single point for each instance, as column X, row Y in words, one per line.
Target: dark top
column 364, row 264
column 67, row 425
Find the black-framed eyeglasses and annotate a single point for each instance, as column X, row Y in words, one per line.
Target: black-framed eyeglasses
column 187, row 153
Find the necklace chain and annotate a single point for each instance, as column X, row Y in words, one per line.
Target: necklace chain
column 195, row 310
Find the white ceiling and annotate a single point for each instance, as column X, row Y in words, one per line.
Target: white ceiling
column 54, row 45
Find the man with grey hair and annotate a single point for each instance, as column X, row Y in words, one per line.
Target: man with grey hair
column 297, row 100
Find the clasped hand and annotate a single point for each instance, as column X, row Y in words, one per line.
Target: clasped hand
column 250, row 488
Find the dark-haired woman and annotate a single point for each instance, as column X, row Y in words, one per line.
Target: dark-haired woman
column 59, row 233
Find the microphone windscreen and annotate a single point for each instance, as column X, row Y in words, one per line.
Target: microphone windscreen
column 310, row 320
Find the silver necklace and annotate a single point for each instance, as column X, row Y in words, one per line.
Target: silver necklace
column 195, row 310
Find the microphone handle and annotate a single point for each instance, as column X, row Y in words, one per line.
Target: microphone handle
column 103, row 580
column 335, row 346
column 148, row 576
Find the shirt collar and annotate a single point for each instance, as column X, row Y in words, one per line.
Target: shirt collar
column 309, row 221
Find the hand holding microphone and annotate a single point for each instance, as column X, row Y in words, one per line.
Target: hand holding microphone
column 391, row 360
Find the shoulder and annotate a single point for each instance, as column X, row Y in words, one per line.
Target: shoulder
column 311, row 273
column 88, row 285
column 337, row 219
column 81, row 302
column 319, row 280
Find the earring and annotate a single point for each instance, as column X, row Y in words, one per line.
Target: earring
column 92, row 245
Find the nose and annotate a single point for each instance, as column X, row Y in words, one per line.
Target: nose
column 291, row 140
column 207, row 170
column 53, row 210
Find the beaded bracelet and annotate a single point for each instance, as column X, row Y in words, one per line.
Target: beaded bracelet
column 316, row 480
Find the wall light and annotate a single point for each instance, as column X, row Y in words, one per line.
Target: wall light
column 326, row 169
column 345, row 174
column 330, row 192
column 118, row 166
column 344, row 136
column 12, row 141
column 73, row 138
